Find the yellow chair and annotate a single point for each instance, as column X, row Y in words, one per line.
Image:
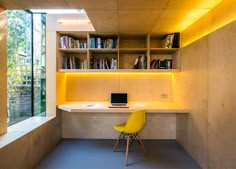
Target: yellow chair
column 129, row 131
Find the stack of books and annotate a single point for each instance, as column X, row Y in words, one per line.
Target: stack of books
column 103, row 63
column 140, row 62
column 68, row 42
column 162, row 64
column 98, row 42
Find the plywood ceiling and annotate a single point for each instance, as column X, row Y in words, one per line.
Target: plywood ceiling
column 149, row 16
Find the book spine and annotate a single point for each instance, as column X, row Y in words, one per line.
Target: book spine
column 98, row 42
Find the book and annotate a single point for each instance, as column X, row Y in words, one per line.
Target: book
column 70, row 62
column 152, row 64
column 143, row 62
column 168, row 41
column 155, row 64
column 136, row 63
column 162, row 64
column 109, row 43
column 92, row 42
column 140, row 62
column 68, row 42
column 176, row 40
column 98, row 42
column 165, row 64
column 113, row 63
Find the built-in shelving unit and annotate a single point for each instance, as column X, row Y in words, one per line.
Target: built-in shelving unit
column 101, row 52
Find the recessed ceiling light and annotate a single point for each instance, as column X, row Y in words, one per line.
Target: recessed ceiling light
column 59, row 11
column 74, row 21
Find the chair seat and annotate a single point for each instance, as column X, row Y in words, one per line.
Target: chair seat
column 119, row 127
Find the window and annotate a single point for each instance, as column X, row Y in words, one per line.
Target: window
column 39, row 33
column 26, row 65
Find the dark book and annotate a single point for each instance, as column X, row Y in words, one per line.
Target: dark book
column 114, row 43
column 143, row 62
column 77, row 63
column 91, row 62
column 168, row 63
column 64, row 62
column 162, row 64
column 176, row 40
column 157, row 65
column 107, row 66
column 165, row 64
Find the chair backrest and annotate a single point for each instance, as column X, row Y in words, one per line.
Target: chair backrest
column 135, row 122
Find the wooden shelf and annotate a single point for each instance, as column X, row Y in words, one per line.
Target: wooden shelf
column 163, row 50
column 73, row 50
column 128, row 48
column 132, row 50
column 103, row 50
column 119, row 70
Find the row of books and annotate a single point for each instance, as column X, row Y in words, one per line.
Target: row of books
column 69, row 42
column 140, row 62
column 171, row 40
column 103, row 63
column 162, row 64
column 98, row 42
column 72, row 62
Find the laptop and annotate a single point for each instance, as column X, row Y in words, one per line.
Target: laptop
column 119, row 100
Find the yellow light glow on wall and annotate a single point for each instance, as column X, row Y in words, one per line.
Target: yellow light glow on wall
column 199, row 10
column 197, row 36
column 222, row 14
column 190, row 18
column 60, row 88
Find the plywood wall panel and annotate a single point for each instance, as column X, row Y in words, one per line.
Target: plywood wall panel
column 51, row 73
column 209, row 91
column 97, row 87
column 16, row 154
column 147, row 87
column 91, row 87
column 190, row 88
column 43, row 139
column 100, row 125
column 222, row 92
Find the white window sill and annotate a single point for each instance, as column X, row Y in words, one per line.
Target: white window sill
column 22, row 128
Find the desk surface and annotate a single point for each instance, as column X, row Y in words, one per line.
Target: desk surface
column 103, row 107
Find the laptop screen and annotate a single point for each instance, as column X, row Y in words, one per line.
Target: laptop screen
column 119, row 98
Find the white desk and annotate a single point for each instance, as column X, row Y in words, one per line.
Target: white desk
column 103, row 107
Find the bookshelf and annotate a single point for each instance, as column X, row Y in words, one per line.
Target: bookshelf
column 72, row 50
column 103, row 51
column 110, row 52
column 131, row 47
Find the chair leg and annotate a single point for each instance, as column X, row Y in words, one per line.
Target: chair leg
column 117, row 142
column 140, row 141
column 127, row 151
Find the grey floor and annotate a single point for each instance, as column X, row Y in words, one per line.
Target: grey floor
column 98, row 154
